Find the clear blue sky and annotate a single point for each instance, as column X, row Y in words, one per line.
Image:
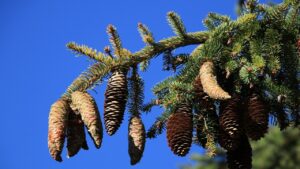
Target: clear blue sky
column 36, row 68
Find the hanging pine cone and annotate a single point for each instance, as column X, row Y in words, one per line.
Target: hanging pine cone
column 180, row 130
column 240, row 158
column 256, row 118
column 136, row 139
column 115, row 101
column 57, row 126
column 230, row 117
column 230, row 124
column 84, row 103
column 226, row 141
column 75, row 134
column 209, row 82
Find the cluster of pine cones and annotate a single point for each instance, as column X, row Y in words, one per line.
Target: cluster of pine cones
column 239, row 120
column 68, row 117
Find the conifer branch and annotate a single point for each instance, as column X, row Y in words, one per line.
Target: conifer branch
column 115, row 40
column 177, row 24
column 87, row 51
column 97, row 72
column 146, row 34
column 136, row 92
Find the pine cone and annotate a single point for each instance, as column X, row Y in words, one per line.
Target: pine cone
column 180, row 130
column 240, row 158
column 136, row 139
column 75, row 134
column 115, row 101
column 256, row 118
column 230, row 117
column 210, row 84
column 57, row 126
column 230, row 124
column 87, row 107
column 226, row 141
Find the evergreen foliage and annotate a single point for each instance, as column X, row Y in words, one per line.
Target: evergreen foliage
column 256, row 53
column 277, row 150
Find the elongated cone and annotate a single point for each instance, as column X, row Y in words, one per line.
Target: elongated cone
column 256, row 118
column 57, row 127
column 230, row 117
column 240, row 158
column 115, row 101
column 75, row 134
column 230, row 123
column 136, row 139
column 180, row 130
column 210, row 84
column 87, row 107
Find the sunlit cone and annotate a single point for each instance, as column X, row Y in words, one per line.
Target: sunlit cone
column 180, row 130
column 240, row 158
column 136, row 139
column 210, row 84
column 115, row 101
column 75, row 134
column 58, row 117
column 87, row 107
column 256, row 118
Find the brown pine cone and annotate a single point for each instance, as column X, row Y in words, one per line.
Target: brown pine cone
column 115, row 101
column 226, row 141
column 136, row 139
column 84, row 103
column 58, row 117
column 240, row 158
column 256, row 118
column 180, row 130
column 75, row 134
column 230, row 117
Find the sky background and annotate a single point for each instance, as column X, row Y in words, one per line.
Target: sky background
column 36, row 68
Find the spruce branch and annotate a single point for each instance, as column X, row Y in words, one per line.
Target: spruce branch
column 97, row 72
column 177, row 24
column 114, row 39
column 148, row 106
column 146, row 34
column 136, row 92
column 158, row 126
column 87, row 51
